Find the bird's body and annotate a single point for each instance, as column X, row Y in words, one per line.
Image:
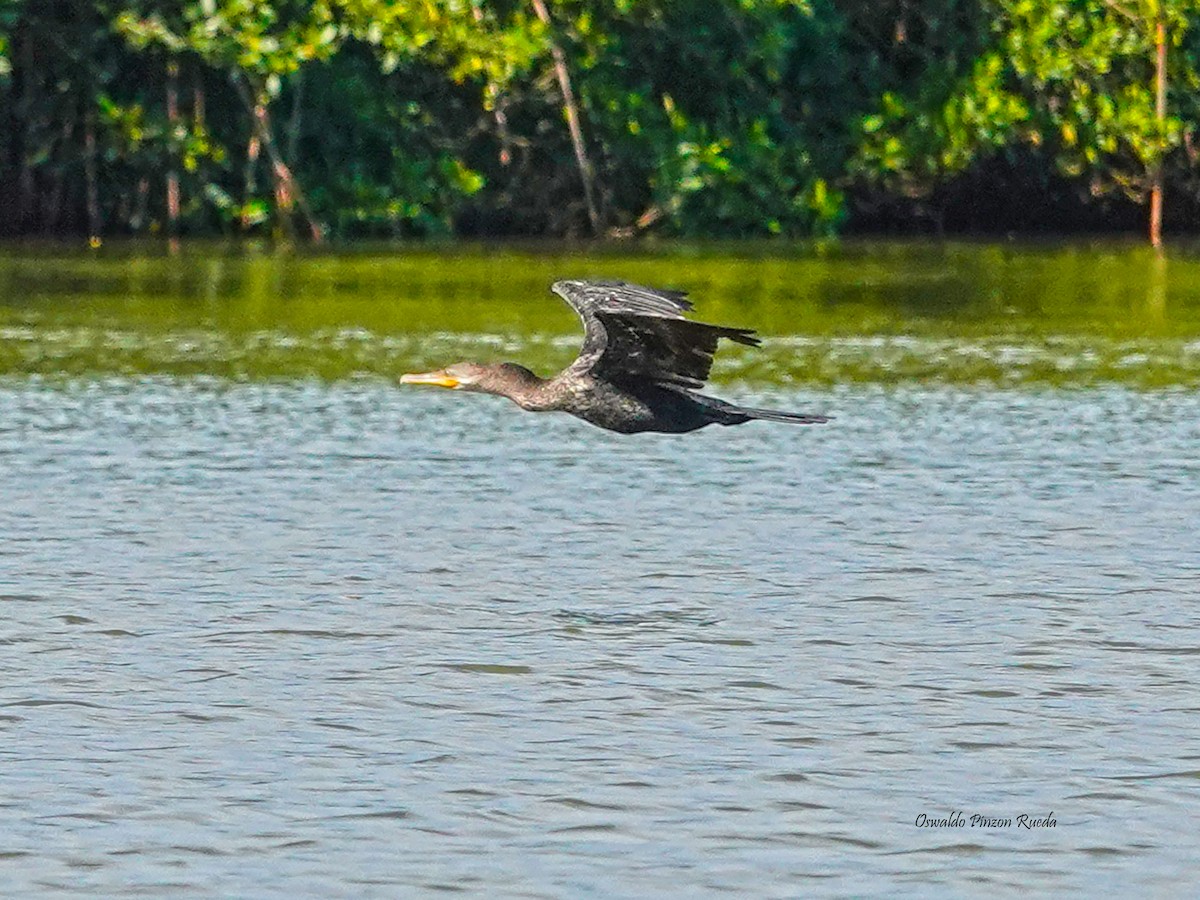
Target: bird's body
column 637, row 371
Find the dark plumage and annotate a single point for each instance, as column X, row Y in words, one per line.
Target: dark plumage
column 638, row 369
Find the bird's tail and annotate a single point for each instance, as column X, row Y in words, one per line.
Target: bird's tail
column 774, row 415
column 731, row 414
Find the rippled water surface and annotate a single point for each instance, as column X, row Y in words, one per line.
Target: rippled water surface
column 339, row 639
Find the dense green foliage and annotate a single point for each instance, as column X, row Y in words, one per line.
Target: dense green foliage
column 695, row 117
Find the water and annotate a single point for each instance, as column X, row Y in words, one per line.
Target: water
column 334, row 638
column 1009, row 315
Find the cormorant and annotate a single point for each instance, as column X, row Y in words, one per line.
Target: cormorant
column 638, row 370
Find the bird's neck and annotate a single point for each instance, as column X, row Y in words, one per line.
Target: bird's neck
column 523, row 388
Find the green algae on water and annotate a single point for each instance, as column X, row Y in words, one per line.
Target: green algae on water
column 1063, row 314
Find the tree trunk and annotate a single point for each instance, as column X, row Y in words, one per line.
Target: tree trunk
column 198, row 98
column 252, row 148
column 89, row 174
column 1160, row 115
column 29, row 105
column 293, row 123
column 138, row 220
column 173, row 126
column 287, row 188
column 492, row 93
column 52, row 203
column 572, row 112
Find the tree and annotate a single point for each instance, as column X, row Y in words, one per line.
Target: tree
column 258, row 44
column 721, row 116
column 1083, row 80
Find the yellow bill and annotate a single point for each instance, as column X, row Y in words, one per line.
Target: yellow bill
column 438, row 379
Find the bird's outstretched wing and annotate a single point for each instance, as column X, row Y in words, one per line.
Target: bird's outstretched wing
column 631, row 331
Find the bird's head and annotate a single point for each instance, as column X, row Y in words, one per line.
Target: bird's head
column 504, row 378
column 464, row 376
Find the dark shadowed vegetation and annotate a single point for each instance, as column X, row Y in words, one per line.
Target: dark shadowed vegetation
column 355, row 118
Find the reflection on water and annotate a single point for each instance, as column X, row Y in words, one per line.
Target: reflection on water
column 269, row 639
column 866, row 312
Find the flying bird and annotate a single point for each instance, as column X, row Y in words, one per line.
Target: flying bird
column 639, row 369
